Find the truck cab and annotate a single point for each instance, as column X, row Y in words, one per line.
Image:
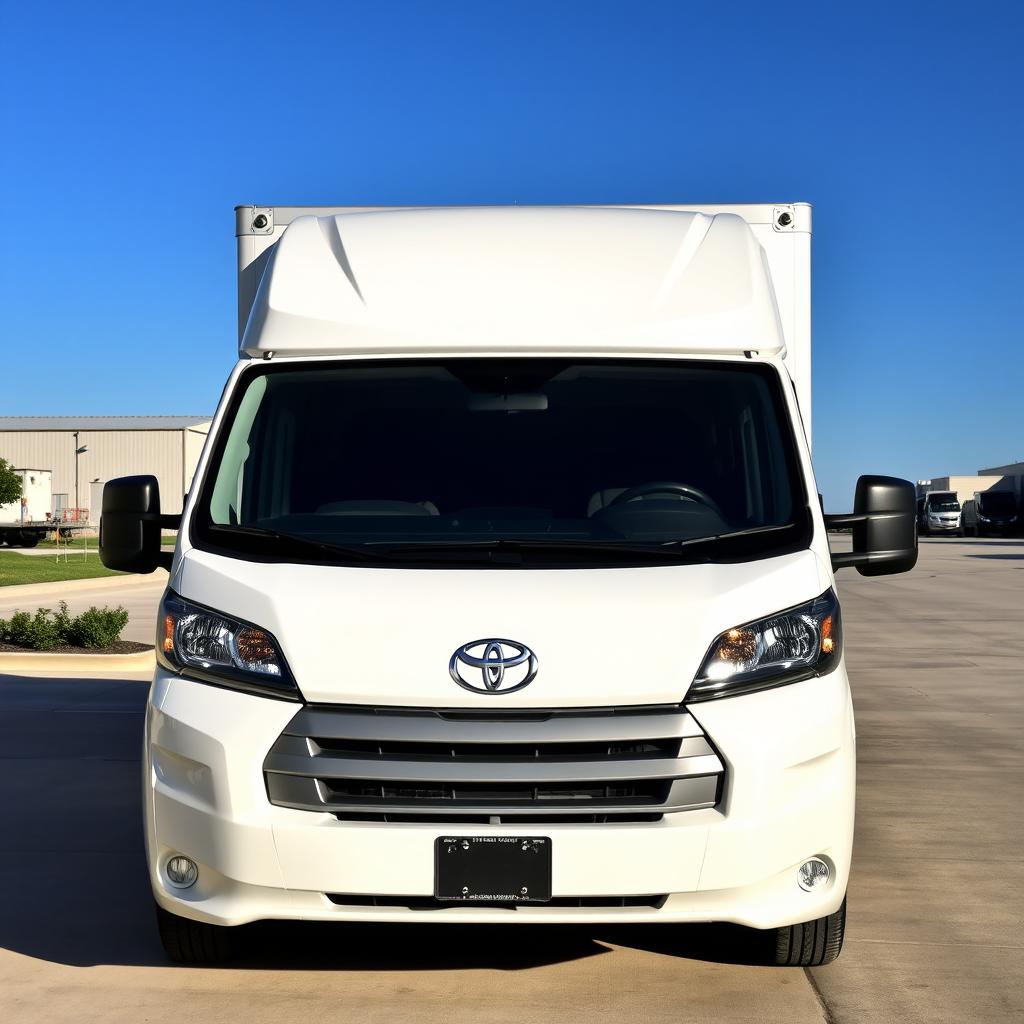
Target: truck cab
column 502, row 593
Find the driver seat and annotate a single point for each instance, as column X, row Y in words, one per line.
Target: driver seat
column 600, row 500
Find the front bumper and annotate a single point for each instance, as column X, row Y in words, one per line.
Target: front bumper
column 788, row 795
column 1002, row 527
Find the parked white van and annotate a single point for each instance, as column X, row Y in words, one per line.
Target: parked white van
column 503, row 592
column 941, row 513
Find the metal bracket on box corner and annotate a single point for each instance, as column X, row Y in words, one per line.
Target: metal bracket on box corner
column 784, row 218
column 791, row 217
column 254, row 220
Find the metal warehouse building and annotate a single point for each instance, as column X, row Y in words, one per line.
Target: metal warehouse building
column 1011, row 478
column 166, row 446
column 995, row 478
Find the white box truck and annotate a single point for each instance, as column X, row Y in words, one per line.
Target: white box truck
column 26, row 521
column 503, row 591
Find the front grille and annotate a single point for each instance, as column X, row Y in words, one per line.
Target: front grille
column 609, row 764
column 498, row 751
column 431, row 903
column 485, row 794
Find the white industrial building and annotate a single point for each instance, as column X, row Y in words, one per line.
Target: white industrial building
column 166, row 446
column 996, row 478
column 1010, row 477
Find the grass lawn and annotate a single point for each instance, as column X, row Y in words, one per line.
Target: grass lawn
column 92, row 543
column 15, row 568
column 73, row 542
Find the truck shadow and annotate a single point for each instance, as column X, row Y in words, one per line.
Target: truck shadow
column 1002, row 542
column 76, row 889
column 442, row 947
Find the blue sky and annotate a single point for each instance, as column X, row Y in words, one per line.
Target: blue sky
column 130, row 131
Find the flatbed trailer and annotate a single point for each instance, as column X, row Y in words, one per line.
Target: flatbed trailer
column 29, row 534
column 27, row 520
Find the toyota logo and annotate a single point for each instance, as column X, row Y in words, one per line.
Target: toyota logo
column 493, row 666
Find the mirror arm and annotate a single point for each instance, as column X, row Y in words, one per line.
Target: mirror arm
column 852, row 518
column 882, row 523
column 844, row 519
column 168, row 522
column 842, row 559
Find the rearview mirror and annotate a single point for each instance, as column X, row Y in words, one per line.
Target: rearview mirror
column 130, row 525
column 884, row 522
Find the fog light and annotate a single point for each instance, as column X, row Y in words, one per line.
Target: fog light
column 182, row 871
column 812, row 874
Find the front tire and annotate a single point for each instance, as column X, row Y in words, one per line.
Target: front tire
column 193, row 942
column 812, row 943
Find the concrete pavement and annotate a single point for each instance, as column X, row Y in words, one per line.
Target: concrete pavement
column 936, row 659
column 936, row 898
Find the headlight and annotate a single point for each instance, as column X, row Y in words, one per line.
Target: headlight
column 796, row 644
column 216, row 648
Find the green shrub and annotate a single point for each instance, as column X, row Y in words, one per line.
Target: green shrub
column 98, row 627
column 63, row 621
column 38, row 632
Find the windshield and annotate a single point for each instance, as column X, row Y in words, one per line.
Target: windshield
column 536, row 461
column 997, row 503
column 942, row 501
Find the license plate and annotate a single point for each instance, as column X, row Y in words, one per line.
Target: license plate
column 493, row 869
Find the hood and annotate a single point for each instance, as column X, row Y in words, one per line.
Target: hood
column 601, row 636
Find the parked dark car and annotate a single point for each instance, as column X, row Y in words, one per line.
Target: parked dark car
column 995, row 513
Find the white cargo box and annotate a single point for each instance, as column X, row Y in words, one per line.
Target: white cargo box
column 596, row 279
column 36, row 491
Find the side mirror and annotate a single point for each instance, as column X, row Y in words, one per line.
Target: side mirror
column 130, row 525
column 884, row 522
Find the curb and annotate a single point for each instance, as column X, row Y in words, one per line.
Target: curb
column 76, row 664
column 97, row 582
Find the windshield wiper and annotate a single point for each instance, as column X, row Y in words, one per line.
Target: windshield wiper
column 750, row 531
column 396, row 551
column 443, row 551
column 363, row 554
column 666, row 548
column 514, row 546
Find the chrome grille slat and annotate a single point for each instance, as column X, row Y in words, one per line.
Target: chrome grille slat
column 435, row 727
column 433, row 764
column 491, row 771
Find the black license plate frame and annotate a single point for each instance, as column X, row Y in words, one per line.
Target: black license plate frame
column 506, row 870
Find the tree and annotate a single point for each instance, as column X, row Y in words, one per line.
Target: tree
column 10, row 483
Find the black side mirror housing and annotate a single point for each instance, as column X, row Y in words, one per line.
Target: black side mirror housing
column 131, row 523
column 884, row 522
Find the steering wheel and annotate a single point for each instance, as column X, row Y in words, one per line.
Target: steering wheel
column 666, row 487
